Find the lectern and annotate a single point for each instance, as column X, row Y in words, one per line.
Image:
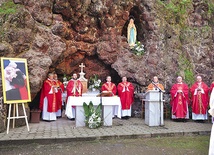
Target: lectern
column 154, row 108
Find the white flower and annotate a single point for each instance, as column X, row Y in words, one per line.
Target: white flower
column 90, row 120
column 90, row 125
column 94, row 82
column 137, row 48
column 93, row 115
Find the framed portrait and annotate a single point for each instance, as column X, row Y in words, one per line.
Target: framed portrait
column 15, row 80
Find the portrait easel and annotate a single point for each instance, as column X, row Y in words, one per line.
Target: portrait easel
column 16, row 88
column 16, row 115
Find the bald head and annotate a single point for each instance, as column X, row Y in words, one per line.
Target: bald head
column 179, row 79
column 155, row 79
column 199, row 78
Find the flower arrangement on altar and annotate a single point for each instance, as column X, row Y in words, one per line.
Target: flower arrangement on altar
column 94, row 83
column 138, row 48
column 92, row 115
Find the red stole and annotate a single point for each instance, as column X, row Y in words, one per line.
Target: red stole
column 47, row 86
column 199, row 101
column 59, row 94
column 109, row 86
column 125, row 92
column 179, row 101
column 74, row 88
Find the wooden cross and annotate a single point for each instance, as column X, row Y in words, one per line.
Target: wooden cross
column 81, row 66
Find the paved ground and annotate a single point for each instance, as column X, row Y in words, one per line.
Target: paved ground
column 64, row 129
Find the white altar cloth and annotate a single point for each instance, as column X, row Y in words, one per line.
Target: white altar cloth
column 107, row 103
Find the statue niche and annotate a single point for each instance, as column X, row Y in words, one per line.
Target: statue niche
column 131, row 33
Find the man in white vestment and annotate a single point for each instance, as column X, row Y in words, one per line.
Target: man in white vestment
column 211, row 112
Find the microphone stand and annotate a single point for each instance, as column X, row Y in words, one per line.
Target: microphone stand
column 160, row 91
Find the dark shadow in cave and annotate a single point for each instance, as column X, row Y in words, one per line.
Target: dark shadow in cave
column 106, row 70
column 34, row 104
column 93, row 66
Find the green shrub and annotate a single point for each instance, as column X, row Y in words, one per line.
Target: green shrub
column 8, row 8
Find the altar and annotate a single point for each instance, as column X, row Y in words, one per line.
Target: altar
column 107, row 110
column 111, row 106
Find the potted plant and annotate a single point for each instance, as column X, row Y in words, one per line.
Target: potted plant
column 94, row 83
column 92, row 115
column 35, row 115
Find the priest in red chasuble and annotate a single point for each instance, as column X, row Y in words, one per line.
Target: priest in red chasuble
column 111, row 88
column 74, row 88
column 48, row 103
column 199, row 97
column 60, row 90
column 126, row 93
column 180, row 100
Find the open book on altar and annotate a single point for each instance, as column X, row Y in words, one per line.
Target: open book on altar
column 105, row 94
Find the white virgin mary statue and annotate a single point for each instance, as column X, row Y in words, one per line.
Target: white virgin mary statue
column 131, row 33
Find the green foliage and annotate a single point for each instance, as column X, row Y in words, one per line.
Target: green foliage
column 86, row 110
column 210, row 7
column 92, row 115
column 94, row 82
column 8, row 7
column 189, row 76
column 177, row 9
column 186, row 66
column 138, row 49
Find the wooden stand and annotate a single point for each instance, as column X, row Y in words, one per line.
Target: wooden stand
column 16, row 115
column 105, row 94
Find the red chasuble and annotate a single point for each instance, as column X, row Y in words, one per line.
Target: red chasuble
column 74, row 88
column 179, row 100
column 51, row 97
column 109, row 86
column 60, row 87
column 125, row 92
column 199, row 100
